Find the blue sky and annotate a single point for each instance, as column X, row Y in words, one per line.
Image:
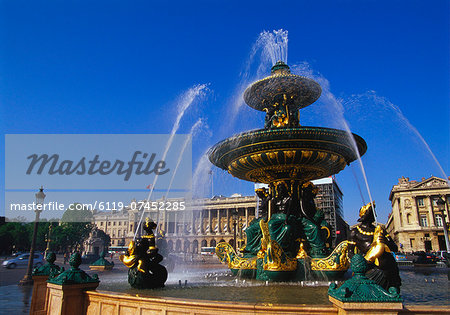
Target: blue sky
column 119, row 67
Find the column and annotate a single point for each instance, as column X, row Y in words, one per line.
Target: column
column 166, row 222
column 416, row 208
column 201, row 221
column 446, row 209
column 246, row 216
column 193, row 224
column 175, row 223
column 209, row 221
column 228, row 221
column 219, row 230
column 430, row 211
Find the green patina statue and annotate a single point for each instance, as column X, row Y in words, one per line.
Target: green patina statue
column 74, row 275
column 362, row 289
column 49, row 268
column 102, row 261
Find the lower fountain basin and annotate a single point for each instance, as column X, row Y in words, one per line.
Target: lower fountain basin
column 302, row 153
column 220, row 285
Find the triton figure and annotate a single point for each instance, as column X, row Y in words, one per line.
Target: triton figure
column 375, row 244
column 143, row 260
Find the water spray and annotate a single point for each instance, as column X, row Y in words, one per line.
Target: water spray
column 193, row 131
column 187, row 100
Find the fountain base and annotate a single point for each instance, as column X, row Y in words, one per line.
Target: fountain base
column 274, row 261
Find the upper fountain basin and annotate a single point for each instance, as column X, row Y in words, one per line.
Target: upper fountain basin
column 302, row 153
column 282, row 86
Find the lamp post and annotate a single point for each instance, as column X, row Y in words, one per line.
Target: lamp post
column 48, row 239
column 235, row 217
column 40, row 196
column 441, row 204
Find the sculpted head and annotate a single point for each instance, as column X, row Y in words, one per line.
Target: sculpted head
column 366, row 213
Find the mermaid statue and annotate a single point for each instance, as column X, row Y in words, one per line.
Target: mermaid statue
column 143, row 260
column 376, row 246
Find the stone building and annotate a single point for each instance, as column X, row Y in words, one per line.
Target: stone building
column 415, row 221
column 188, row 226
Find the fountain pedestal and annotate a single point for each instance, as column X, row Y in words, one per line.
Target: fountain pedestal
column 39, row 297
column 40, row 275
column 66, row 291
column 361, row 295
column 68, row 298
column 357, row 308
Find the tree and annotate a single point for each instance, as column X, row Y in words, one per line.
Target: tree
column 74, row 228
column 15, row 236
column 105, row 237
column 76, row 212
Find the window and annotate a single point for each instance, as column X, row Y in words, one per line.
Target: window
column 119, row 233
column 114, row 223
column 420, row 202
column 439, row 220
column 408, row 218
column 101, row 223
column 423, row 220
column 435, row 202
column 109, row 223
column 120, row 222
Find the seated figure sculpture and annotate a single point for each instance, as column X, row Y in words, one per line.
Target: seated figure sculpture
column 253, row 231
column 143, row 261
column 375, row 244
column 291, row 219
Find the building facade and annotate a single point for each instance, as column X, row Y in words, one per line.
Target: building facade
column 329, row 199
column 195, row 224
column 416, row 223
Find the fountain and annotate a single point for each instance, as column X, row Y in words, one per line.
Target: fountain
column 288, row 242
column 290, row 237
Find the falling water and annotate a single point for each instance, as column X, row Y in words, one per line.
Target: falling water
column 274, row 45
column 192, row 133
column 330, row 99
column 268, row 48
column 201, row 175
column 186, row 101
column 385, row 103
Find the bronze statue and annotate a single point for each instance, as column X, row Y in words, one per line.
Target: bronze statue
column 375, row 244
column 283, row 199
column 265, row 197
column 307, row 205
column 143, row 260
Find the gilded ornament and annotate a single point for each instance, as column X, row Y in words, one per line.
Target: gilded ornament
column 337, row 261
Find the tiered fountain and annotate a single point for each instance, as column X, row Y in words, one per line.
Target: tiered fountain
column 290, row 237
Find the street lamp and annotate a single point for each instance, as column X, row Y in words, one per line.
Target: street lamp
column 40, row 196
column 48, row 240
column 441, row 204
column 235, row 217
